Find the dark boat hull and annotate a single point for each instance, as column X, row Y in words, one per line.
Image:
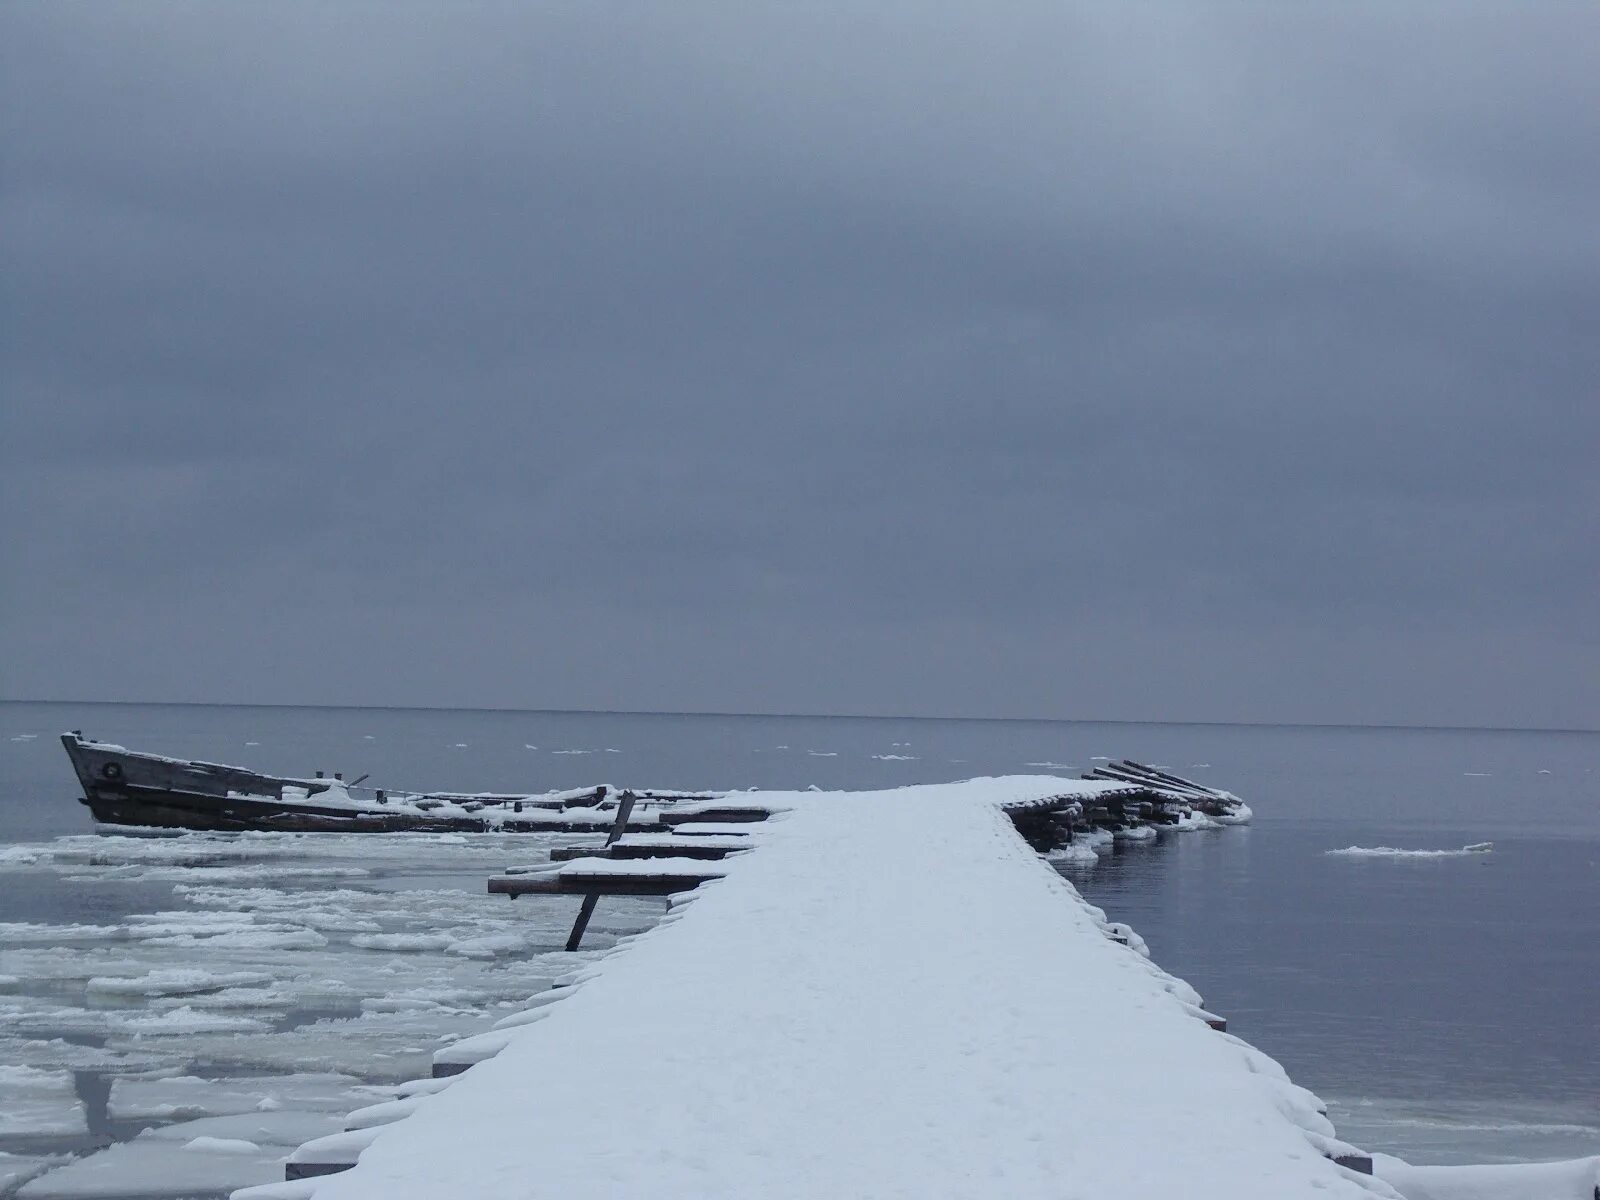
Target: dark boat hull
column 126, row 788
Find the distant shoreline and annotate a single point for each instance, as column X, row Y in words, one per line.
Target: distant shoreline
column 790, row 716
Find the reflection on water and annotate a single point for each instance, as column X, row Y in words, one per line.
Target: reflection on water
column 1443, row 1007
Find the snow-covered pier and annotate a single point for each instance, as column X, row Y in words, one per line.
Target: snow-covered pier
column 891, row 994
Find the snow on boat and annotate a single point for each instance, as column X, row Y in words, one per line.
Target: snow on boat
column 124, row 787
column 129, row 788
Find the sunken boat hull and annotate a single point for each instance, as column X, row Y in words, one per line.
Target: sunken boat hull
column 129, row 788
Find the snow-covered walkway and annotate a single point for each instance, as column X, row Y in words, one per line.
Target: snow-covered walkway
column 892, row 997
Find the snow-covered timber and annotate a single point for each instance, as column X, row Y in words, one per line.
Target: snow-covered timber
column 886, row 997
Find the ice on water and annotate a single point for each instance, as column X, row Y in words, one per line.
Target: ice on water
column 290, row 979
column 190, row 1097
column 158, row 1169
column 17, row 1169
column 37, row 1103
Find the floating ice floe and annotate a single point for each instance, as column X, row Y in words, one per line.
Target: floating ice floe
column 60, row 1054
column 271, row 1127
column 149, row 1168
column 380, row 1046
column 1396, row 852
column 36, row 1103
column 189, row 1020
column 255, row 998
column 1074, row 852
column 1052, row 766
column 401, row 941
column 173, row 981
column 1574, row 1179
column 30, row 933
column 188, row 1097
column 895, row 757
column 17, row 1169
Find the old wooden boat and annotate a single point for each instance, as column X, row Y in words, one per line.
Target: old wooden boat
column 124, row 787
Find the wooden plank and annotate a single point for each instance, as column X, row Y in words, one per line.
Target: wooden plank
column 310, row 1170
column 625, row 851
column 1359, row 1163
column 721, row 815
column 582, row 885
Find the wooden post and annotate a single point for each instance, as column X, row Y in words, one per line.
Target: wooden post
column 586, row 909
column 624, row 811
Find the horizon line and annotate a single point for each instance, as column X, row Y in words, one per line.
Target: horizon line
column 631, row 712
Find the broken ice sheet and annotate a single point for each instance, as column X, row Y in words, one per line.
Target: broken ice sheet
column 148, row 1168
column 189, row 1097
column 269, row 1127
column 33, row 933
column 39, row 1103
column 382, row 1046
column 59, row 1054
column 17, row 1169
column 174, row 981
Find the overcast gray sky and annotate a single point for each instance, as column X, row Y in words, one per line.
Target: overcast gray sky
column 1085, row 360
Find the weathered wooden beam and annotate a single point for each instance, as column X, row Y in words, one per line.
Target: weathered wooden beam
column 624, row 851
column 585, row 911
column 624, row 811
column 737, row 815
column 602, row 885
column 310, row 1170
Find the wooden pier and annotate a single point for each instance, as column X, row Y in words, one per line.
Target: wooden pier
column 864, row 995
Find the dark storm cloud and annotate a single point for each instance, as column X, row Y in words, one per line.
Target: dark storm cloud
column 1064, row 360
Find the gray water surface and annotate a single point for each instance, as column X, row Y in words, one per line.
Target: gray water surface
column 1447, row 1009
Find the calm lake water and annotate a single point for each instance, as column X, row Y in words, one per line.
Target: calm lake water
column 1448, row 1009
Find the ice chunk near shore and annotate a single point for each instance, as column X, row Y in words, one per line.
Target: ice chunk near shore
column 1574, row 1179
column 242, row 997
column 1135, row 833
column 17, row 1169
column 1397, row 853
column 381, row 1046
column 30, row 933
column 148, row 1168
column 173, row 981
column 189, row 1020
column 401, row 941
column 1079, row 852
column 264, row 1127
column 62, row 1055
column 188, row 1097
column 36, row 1103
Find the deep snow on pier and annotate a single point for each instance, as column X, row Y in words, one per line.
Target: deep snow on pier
column 891, row 996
